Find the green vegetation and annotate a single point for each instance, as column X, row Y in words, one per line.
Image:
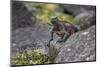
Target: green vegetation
column 34, row 56
column 45, row 11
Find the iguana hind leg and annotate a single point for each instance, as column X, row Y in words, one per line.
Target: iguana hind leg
column 65, row 37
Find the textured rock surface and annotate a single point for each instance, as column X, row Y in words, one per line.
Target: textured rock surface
column 85, row 14
column 87, row 19
column 31, row 37
column 21, row 16
column 77, row 9
column 79, row 47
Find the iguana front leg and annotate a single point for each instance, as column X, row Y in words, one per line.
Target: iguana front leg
column 51, row 38
column 51, row 35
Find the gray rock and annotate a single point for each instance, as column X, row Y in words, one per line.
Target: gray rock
column 21, row 16
column 79, row 47
column 86, row 19
column 76, row 9
column 85, row 14
column 54, row 49
column 31, row 37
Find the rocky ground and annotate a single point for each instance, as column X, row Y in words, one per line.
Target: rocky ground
column 28, row 34
column 79, row 47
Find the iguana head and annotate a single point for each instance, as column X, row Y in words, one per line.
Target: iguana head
column 54, row 20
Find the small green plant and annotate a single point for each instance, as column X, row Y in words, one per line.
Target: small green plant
column 34, row 56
